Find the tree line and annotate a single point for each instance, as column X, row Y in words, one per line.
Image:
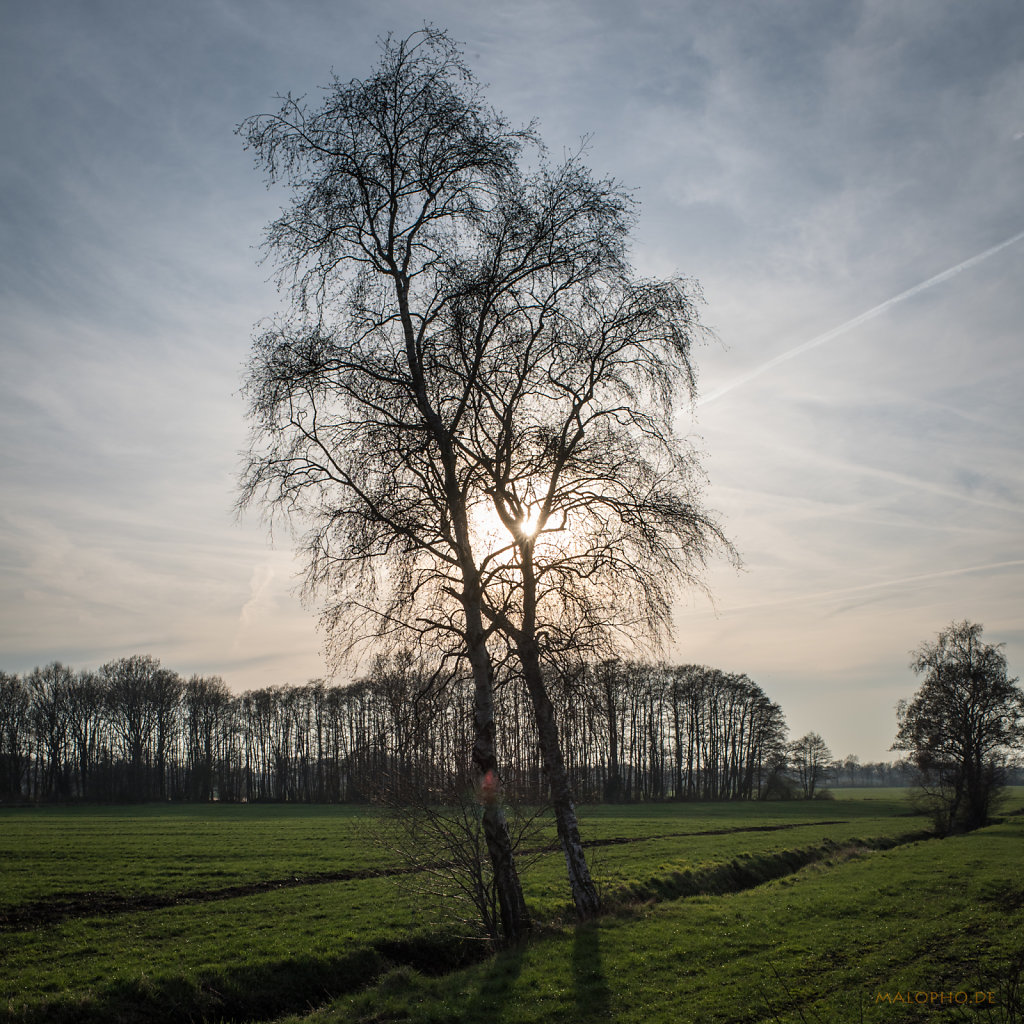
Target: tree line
column 136, row 731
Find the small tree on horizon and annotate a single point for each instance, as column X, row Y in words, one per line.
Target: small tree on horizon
column 963, row 727
column 811, row 761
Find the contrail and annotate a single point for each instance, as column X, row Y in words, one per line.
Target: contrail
column 858, row 320
column 824, row 595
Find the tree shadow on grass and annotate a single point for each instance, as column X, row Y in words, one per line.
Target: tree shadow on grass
column 591, row 991
column 494, row 997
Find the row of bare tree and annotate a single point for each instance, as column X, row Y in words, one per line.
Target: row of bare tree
column 136, row 731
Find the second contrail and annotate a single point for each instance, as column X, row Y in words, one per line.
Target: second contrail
column 857, row 320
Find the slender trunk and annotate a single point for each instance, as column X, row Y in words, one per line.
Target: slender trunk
column 515, row 919
column 954, row 805
column 678, row 766
column 584, row 893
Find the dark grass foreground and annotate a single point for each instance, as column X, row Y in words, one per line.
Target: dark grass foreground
column 259, row 992
column 300, row 984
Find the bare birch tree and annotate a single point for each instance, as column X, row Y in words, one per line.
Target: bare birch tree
column 599, row 495
column 356, row 421
column 467, row 340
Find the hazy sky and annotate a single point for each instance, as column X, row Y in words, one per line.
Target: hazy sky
column 818, row 166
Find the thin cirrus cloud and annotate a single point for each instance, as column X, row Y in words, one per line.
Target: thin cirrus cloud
column 856, row 321
column 843, row 593
column 794, row 158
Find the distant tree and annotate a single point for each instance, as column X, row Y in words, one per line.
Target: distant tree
column 86, row 722
column 165, row 696
column 15, row 736
column 768, row 762
column 962, row 727
column 142, row 701
column 206, row 714
column 810, row 760
column 49, row 692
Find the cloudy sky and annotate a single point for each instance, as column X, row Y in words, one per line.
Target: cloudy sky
column 845, row 179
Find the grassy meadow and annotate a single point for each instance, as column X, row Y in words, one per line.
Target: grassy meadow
column 832, row 910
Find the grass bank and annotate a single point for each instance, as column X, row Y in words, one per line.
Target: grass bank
column 854, row 937
column 300, row 939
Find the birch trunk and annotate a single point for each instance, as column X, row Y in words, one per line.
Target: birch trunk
column 515, row 919
column 584, row 893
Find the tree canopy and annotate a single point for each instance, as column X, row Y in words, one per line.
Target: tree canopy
column 466, row 339
column 962, row 726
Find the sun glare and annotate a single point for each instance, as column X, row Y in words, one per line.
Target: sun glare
column 490, row 535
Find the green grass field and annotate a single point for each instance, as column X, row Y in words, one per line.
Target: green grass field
column 721, row 912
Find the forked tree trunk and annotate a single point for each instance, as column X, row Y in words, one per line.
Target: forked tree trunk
column 584, row 893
